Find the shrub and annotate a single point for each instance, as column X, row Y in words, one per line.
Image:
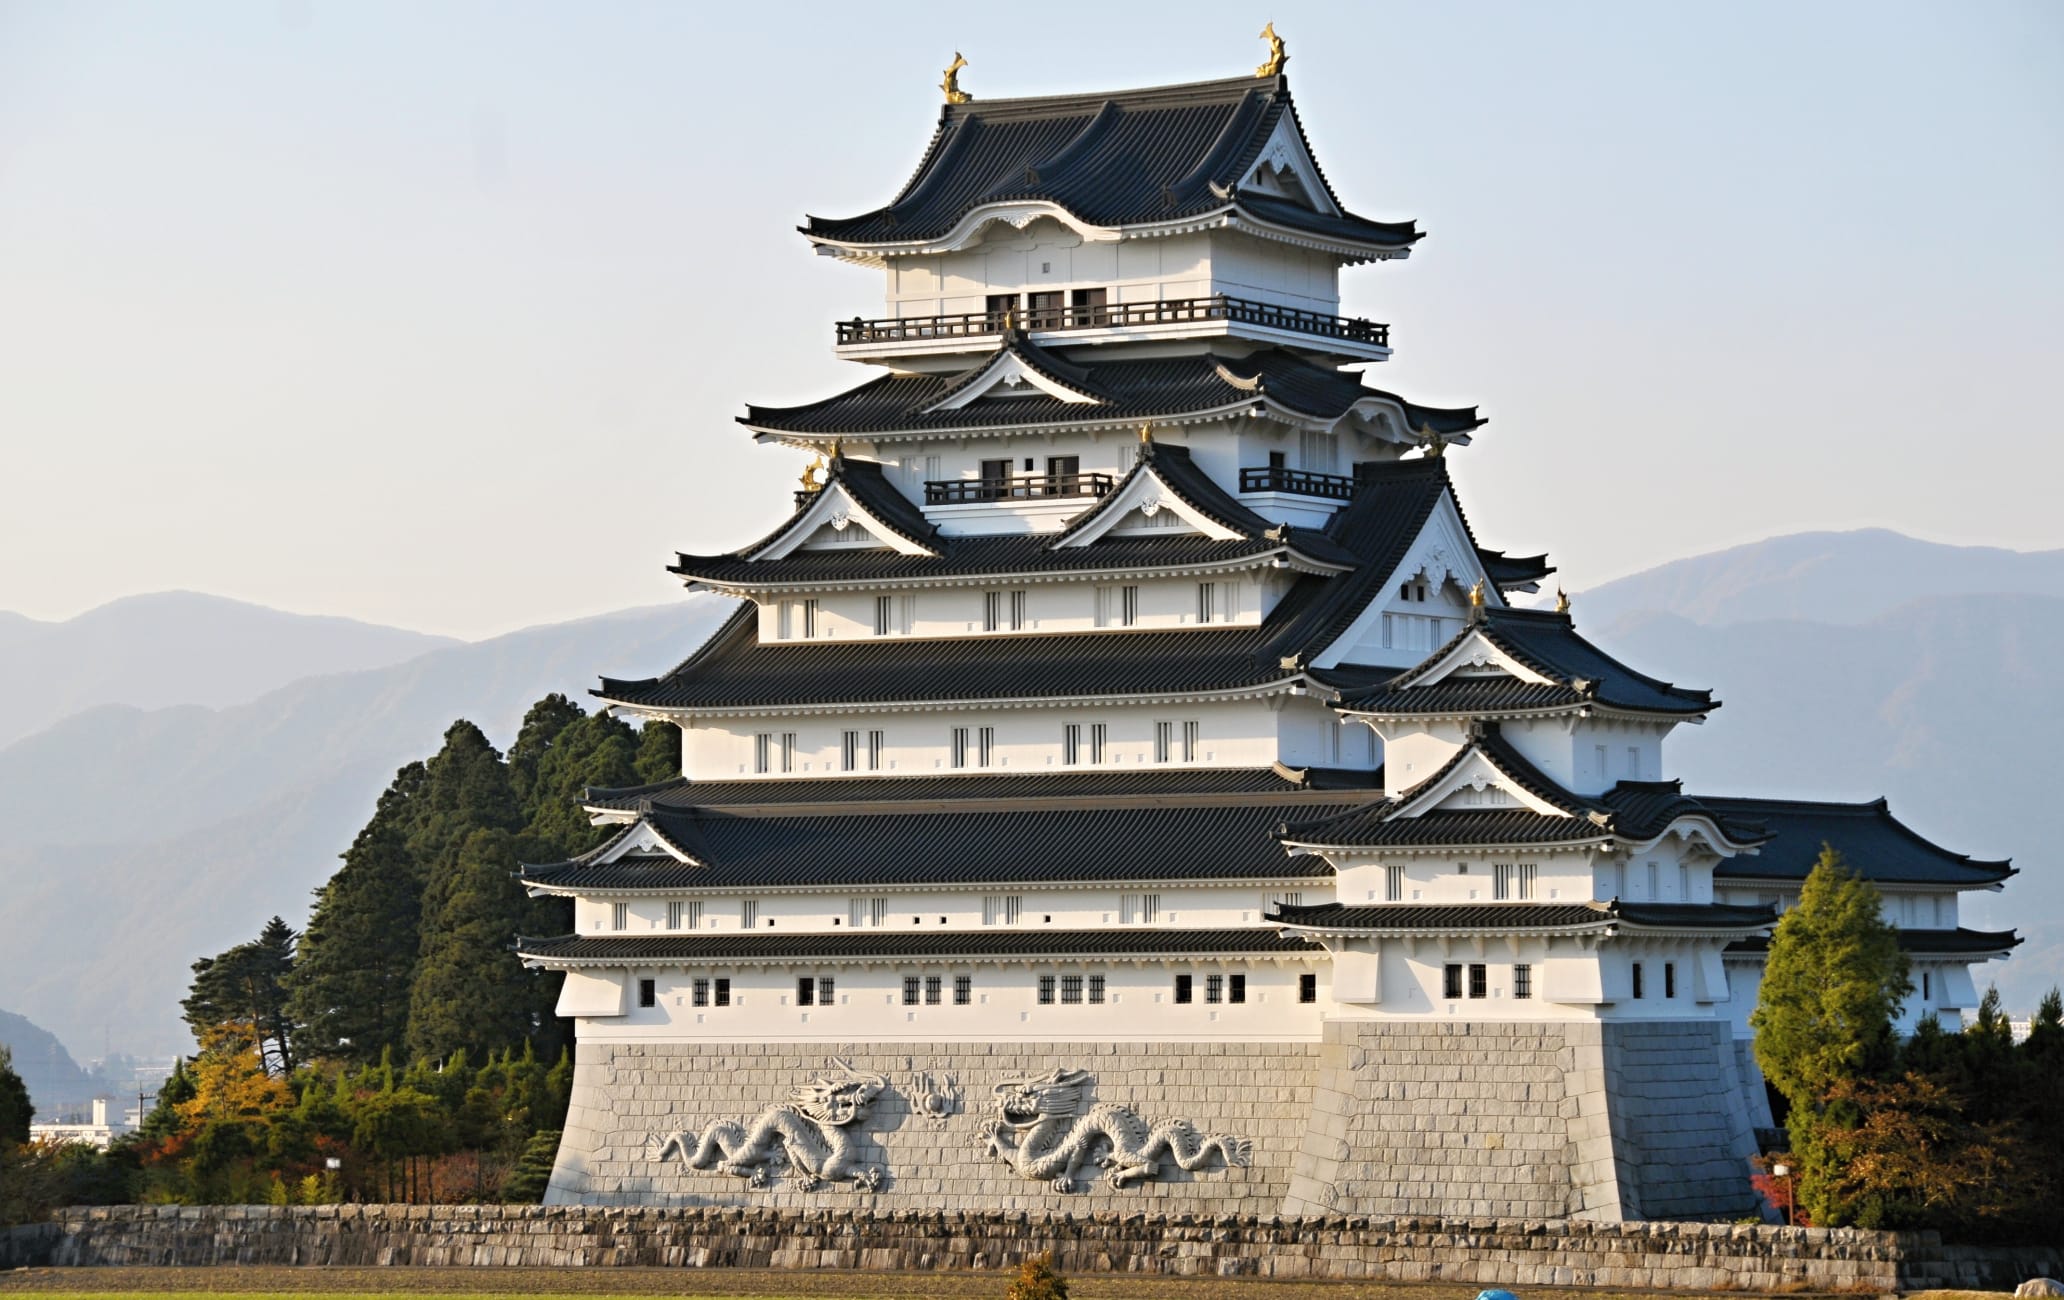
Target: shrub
column 1037, row 1280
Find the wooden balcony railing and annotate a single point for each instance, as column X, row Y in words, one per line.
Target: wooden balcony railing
column 1023, row 487
column 1168, row 311
column 1278, row 478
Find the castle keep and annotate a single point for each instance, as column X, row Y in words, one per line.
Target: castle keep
column 1127, row 781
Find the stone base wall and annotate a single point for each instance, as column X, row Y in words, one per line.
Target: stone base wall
column 1680, row 1120
column 627, row 1099
column 1664, row 1256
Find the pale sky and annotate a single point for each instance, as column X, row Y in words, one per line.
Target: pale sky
column 438, row 314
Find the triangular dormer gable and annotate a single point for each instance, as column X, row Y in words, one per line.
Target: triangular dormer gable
column 1143, row 498
column 1443, row 558
column 1473, row 771
column 839, row 510
column 1474, row 654
column 1013, row 372
column 643, row 837
column 1285, row 169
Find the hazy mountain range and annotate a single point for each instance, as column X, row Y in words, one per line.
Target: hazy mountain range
column 146, row 831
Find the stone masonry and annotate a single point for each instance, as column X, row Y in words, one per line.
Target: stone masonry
column 1514, row 1120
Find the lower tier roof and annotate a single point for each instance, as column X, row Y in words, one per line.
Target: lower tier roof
column 1523, row 917
column 1922, row 943
column 1868, row 836
column 1018, row 945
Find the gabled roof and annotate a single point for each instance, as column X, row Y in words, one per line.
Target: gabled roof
column 1870, row 839
column 1112, row 160
column 1924, row 943
column 1520, row 917
column 734, row 670
column 990, row 555
column 1633, row 811
column 1515, row 572
column 1017, row 945
column 953, row 842
column 860, row 485
column 1172, row 470
column 1129, row 391
column 1579, row 674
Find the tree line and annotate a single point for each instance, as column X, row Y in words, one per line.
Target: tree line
column 356, row 1038
column 1960, row 1131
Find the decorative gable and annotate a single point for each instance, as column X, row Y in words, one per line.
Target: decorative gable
column 1008, row 374
column 1475, row 783
column 838, row 518
column 1145, row 503
column 1396, row 629
column 1285, row 170
column 642, row 837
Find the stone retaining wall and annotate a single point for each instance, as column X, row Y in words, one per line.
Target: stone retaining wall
column 1482, row 1252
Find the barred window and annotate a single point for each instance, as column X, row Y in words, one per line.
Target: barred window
column 700, row 993
column 1071, row 990
column 1522, row 981
column 910, row 990
column 963, row 990
column 673, row 914
column 1096, row 988
column 619, row 916
column 931, row 990
column 1393, row 883
column 1214, row 988
column 824, row 991
column 1479, row 980
column 1046, row 990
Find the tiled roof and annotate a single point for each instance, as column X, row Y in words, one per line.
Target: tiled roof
column 1172, row 466
column 985, row 555
column 1924, row 943
column 1132, row 390
column 960, row 789
column 1547, row 643
column 1025, row 944
column 1525, row 916
column 955, row 842
column 1509, row 572
column 1870, row 839
column 1122, row 158
column 734, row 670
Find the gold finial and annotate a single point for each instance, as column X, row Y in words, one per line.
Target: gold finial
column 838, row 448
column 1007, row 319
column 1476, row 595
column 1561, row 601
column 811, row 481
column 1146, row 433
column 1277, row 55
column 1435, row 444
column 954, row 94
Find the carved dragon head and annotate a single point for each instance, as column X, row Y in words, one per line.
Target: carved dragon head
column 838, row 1101
column 1028, row 1099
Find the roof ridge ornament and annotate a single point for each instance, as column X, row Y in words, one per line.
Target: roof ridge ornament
column 1436, row 445
column 951, row 84
column 1561, row 601
column 1277, row 55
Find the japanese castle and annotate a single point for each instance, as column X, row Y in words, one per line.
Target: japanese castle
column 1127, row 780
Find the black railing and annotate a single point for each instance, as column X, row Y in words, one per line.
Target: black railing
column 1279, row 478
column 1168, row 311
column 1024, row 487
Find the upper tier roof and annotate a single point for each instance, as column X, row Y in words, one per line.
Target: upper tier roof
column 1868, row 836
column 1126, row 392
column 1579, row 674
column 735, row 670
column 1122, row 159
column 870, row 946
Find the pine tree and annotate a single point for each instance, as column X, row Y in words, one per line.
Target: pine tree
column 350, row 985
column 541, row 728
column 470, row 989
column 1833, row 983
column 15, row 1107
column 465, row 788
column 659, row 753
column 248, row 984
column 598, row 750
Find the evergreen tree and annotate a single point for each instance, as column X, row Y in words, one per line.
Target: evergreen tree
column 15, row 1107
column 350, row 986
column 1833, row 983
column 470, row 989
column 248, row 985
column 465, row 788
column 597, row 750
column 541, row 728
column 659, row 753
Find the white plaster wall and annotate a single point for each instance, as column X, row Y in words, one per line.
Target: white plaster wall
column 1679, row 875
column 1046, row 256
column 1564, row 877
column 1234, row 733
column 1311, row 734
column 1240, row 599
column 1139, row 1004
column 1570, row 980
column 1245, row 267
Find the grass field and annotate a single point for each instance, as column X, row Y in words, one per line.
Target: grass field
column 724, row 1284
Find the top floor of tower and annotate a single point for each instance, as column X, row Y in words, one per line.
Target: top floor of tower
column 1123, row 222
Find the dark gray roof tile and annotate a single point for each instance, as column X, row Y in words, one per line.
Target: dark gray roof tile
column 1026, row 944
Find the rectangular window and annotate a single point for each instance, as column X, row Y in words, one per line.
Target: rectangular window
column 673, row 914
column 700, row 993
column 1128, row 606
column 1451, row 980
column 1654, row 884
column 1633, row 763
column 693, row 921
column 1185, row 985
column 788, row 749
column 1236, row 988
column 809, row 618
column 1393, row 884
column 960, row 747
column 1096, row 988
column 1501, row 882
column 749, row 913
column 1164, row 741
column 1089, row 307
column 910, row 987
column 1684, row 881
column 1669, row 979
column 1214, row 988
column 1528, row 871
column 1307, row 988
column 1105, row 596
column 884, row 615
column 874, row 751
column 1139, row 909
column 805, row 991
column 1001, row 909
column 1522, row 981
column 723, row 992
column 996, row 476
column 1190, row 732
column 932, row 990
column 992, row 610
column 1071, row 990
column 963, row 990
column 1096, row 743
column 1046, row 990
column 648, row 993
column 849, row 751
column 1071, row 744
column 1018, row 621
column 824, row 991
column 1063, row 475
column 1927, row 987
column 878, row 911
column 996, row 307
column 1207, row 601
column 1044, row 310
column 985, row 746
column 1479, row 980
column 784, row 620
column 619, row 916
column 762, row 754
column 1637, row 979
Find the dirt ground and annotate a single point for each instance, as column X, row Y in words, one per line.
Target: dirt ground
column 715, row 1284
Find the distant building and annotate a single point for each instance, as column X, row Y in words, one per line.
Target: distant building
column 1127, row 781
column 97, row 1131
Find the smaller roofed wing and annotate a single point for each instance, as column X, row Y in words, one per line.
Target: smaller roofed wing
column 1868, row 836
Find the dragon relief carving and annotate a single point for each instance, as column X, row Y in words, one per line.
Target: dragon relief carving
column 810, row 1132
column 1045, row 1128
